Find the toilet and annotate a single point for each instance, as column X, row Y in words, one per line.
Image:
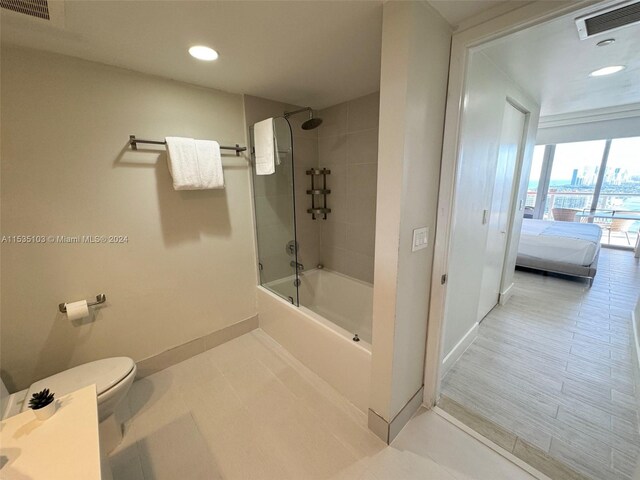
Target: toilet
column 113, row 378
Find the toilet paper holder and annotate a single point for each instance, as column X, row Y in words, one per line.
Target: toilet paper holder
column 100, row 298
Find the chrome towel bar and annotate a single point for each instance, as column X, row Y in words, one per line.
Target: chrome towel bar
column 133, row 141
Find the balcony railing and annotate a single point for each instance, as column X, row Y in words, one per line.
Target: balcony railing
column 627, row 202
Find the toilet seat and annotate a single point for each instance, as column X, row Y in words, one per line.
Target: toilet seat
column 106, row 374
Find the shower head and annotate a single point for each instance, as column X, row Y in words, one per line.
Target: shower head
column 311, row 123
column 308, row 124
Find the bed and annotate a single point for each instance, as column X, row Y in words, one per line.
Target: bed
column 568, row 248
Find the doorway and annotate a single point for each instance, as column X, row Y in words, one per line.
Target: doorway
column 500, row 213
column 549, row 375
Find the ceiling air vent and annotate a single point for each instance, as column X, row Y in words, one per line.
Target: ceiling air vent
column 609, row 19
column 34, row 8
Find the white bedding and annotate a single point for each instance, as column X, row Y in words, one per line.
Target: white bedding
column 543, row 239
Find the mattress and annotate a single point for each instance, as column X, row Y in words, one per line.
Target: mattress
column 564, row 242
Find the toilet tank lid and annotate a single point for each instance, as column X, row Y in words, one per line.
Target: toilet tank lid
column 104, row 373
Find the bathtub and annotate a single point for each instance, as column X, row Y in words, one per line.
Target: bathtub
column 319, row 333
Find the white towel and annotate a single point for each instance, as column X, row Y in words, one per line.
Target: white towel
column 265, row 147
column 194, row 164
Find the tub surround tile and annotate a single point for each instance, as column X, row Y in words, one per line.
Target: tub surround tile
column 361, row 180
column 334, row 234
column 332, row 150
column 364, row 112
column 335, row 120
column 349, row 146
column 360, row 239
column 362, row 147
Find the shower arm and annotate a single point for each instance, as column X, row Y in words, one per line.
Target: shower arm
column 306, row 109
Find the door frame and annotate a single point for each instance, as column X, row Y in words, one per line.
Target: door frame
column 514, row 207
column 510, row 210
column 469, row 38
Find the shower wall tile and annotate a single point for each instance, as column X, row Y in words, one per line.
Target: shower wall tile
column 364, row 112
column 360, row 238
column 361, row 210
column 302, row 184
column 334, row 120
column 333, row 150
column 362, row 180
column 348, row 145
column 337, row 181
column 338, row 204
column 305, row 151
column 362, row 147
column 335, row 258
column 360, row 266
column 334, row 234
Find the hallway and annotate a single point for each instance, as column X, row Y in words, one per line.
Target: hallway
column 552, row 372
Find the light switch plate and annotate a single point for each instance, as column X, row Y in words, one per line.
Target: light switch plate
column 420, row 238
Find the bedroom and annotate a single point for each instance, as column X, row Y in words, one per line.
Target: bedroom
column 539, row 355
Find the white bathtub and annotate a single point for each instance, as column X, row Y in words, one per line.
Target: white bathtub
column 319, row 333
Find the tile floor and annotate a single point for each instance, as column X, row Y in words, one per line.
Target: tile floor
column 248, row 410
column 554, row 367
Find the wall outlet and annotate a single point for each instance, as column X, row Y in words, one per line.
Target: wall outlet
column 420, row 238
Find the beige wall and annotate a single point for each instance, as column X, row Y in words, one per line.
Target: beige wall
column 348, row 146
column 274, row 202
column 415, row 60
column 188, row 267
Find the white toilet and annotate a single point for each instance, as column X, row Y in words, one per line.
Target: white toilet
column 113, row 378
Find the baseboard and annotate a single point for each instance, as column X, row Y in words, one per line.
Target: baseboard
column 457, row 351
column 387, row 431
column 506, row 295
column 179, row 353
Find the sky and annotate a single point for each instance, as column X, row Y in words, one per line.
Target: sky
column 624, row 153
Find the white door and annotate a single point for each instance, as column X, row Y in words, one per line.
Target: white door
column 499, row 214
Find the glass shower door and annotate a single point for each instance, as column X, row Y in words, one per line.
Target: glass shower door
column 275, row 217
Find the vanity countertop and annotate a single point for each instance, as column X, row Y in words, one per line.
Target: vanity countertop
column 65, row 446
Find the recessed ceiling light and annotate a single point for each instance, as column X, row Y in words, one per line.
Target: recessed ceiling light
column 604, row 43
column 203, row 53
column 607, row 70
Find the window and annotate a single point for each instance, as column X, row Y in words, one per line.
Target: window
column 534, row 176
column 574, row 176
column 584, row 176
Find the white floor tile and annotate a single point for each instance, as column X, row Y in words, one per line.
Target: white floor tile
column 248, row 410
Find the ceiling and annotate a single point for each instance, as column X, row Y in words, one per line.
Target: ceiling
column 299, row 52
column 457, row 11
column 551, row 63
column 309, row 52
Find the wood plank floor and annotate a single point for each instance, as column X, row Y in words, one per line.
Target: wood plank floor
column 554, row 367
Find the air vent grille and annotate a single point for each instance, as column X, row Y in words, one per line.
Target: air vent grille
column 613, row 19
column 609, row 19
column 34, row 8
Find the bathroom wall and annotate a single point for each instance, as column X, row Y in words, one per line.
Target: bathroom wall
column 188, row 266
column 348, row 146
column 413, row 87
column 273, row 201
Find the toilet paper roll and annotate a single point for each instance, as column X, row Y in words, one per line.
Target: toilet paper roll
column 77, row 310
